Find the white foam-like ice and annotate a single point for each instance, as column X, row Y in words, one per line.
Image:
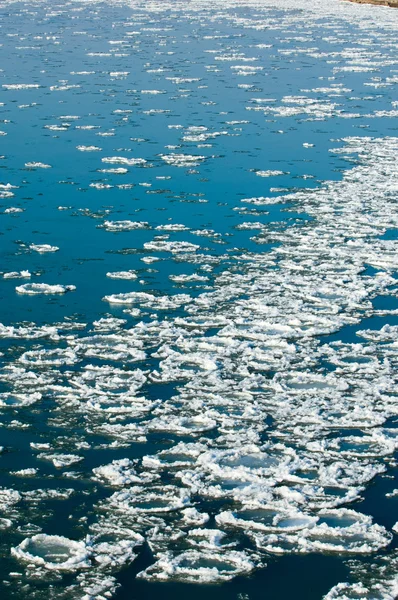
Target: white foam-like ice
column 199, row 567
column 33, row 289
column 122, row 275
column 124, row 225
column 25, row 274
column 53, row 552
column 43, row 248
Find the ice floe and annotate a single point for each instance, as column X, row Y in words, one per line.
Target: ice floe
column 43, row 288
column 43, row 248
column 53, row 552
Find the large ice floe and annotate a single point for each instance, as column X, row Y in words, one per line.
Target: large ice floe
column 53, row 552
column 212, row 431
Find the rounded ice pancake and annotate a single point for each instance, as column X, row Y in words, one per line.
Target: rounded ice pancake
column 341, row 531
column 53, row 552
column 199, row 566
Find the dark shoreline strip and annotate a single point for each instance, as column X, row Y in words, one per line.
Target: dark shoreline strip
column 390, row 3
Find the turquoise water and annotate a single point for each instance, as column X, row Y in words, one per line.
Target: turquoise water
column 198, row 300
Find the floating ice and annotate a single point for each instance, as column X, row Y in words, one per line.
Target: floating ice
column 174, row 247
column 5, row 524
column 12, row 210
column 183, row 160
column 56, row 357
column 43, row 248
column 15, row 400
column 199, row 567
column 343, row 531
column 88, row 148
column 149, row 300
column 122, row 275
column 43, row 288
column 270, row 173
column 116, row 171
column 37, row 165
column 61, row 460
column 20, row 86
column 121, row 160
column 53, row 552
column 120, row 473
column 17, row 275
column 30, row 472
column 124, row 225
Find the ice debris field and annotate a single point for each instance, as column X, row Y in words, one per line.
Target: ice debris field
column 199, row 312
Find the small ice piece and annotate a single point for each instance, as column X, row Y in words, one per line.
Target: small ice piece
column 180, row 425
column 150, row 500
column 61, row 460
column 270, row 173
column 124, row 225
column 53, row 552
column 118, row 473
column 122, row 275
column 172, row 227
column 13, row 210
column 116, row 171
column 40, row 446
column 17, row 275
column 88, row 148
column 37, row 165
column 266, row 519
column 42, row 248
column 150, row 259
column 20, row 86
column 188, row 278
column 25, row 472
column 5, row 524
column 191, row 516
column 109, row 323
column 182, row 160
column 393, row 494
column 54, row 357
column 148, row 300
column 121, row 160
column 173, row 247
column 8, row 498
column 352, row 591
column 15, row 400
column 43, row 288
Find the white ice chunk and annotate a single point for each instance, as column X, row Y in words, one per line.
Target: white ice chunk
column 53, row 552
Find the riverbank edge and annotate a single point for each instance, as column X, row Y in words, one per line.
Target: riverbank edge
column 389, row 3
